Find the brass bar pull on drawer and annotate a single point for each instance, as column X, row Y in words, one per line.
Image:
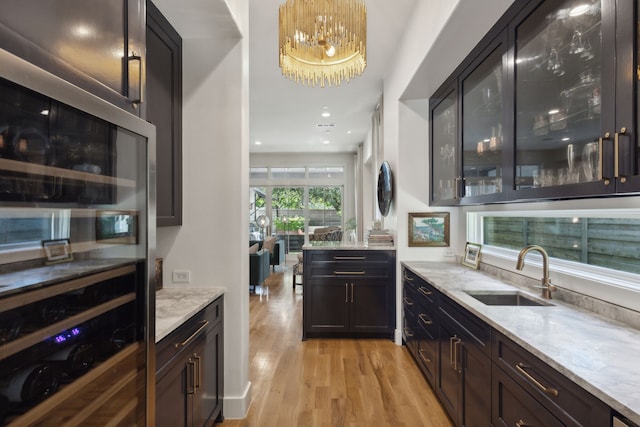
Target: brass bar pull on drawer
column 425, row 319
column 408, row 301
column 520, row 367
column 349, row 273
column 424, row 291
column 522, row 424
column 408, row 279
column 193, row 335
column 408, row 332
column 349, row 258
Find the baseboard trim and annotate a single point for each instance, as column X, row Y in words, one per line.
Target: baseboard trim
column 398, row 336
column 237, row 407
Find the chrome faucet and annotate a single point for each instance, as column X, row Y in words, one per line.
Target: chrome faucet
column 546, row 287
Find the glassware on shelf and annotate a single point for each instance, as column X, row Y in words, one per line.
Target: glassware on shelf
column 590, row 161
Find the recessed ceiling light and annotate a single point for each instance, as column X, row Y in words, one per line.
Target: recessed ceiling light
column 348, row 132
column 566, row 139
column 258, row 142
column 325, row 142
column 326, row 114
column 554, row 111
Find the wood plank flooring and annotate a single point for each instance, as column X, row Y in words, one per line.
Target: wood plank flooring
column 328, row 382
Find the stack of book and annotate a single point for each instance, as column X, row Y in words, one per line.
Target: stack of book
column 379, row 238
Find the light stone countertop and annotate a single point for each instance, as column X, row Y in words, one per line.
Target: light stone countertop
column 174, row 306
column 597, row 353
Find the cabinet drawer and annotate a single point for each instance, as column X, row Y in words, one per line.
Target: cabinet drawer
column 512, row 406
column 349, row 269
column 201, row 323
column 565, row 399
column 422, row 289
column 348, row 256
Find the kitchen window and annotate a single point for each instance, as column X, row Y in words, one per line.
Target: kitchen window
column 593, row 252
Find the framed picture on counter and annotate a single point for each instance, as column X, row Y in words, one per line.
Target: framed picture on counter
column 58, row 250
column 428, row 229
column 472, row 255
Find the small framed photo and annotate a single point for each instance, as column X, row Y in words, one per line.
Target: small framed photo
column 429, row 229
column 58, row 250
column 472, row 255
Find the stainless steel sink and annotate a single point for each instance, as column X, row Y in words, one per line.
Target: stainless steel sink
column 509, row 298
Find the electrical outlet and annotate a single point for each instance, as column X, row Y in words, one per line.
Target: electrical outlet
column 449, row 253
column 181, row 276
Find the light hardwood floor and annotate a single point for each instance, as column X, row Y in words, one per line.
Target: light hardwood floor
column 328, row 382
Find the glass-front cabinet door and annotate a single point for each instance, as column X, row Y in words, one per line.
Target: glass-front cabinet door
column 445, row 178
column 483, row 129
column 564, row 99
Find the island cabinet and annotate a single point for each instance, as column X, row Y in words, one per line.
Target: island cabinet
column 189, row 371
column 349, row 293
column 528, row 391
column 96, row 45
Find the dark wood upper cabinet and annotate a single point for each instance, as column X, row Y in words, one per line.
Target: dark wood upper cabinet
column 163, row 107
column 87, row 43
column 546, row 107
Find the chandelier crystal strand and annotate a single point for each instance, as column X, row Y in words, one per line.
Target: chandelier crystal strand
column 322, row 41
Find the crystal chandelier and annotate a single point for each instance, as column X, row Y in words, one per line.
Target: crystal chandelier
column 323, row 40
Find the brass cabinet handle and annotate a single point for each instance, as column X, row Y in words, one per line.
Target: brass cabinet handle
column 192, row 365
column 408, row 279
column 601, row 177
column 198, row 376
column 408, row 332
column 451, row 350
column 203, row 325
column 616, row 149
column 425, row 319
column 522, row 424
column 424, row 291
column 349, row 258
column 456, row 342
column 349, row 273
column 423, row 357
column 522, row 368
column 407, row 301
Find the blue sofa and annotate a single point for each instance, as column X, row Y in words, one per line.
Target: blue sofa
column 258, row 268
column 277, row 256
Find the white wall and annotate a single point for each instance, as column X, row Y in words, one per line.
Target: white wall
column 432, row 47
column 211, row 243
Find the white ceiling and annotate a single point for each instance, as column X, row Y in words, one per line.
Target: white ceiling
column 284, row 115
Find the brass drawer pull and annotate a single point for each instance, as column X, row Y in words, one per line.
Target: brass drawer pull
column 425, row 319
column 349, row 273
column 522, row 424
column 408, row 332
column 520, row 367
column 349, row 258
column 193, row 335
column 407, row 301
column 424, row 291
column 408, row 279
column 423, row 357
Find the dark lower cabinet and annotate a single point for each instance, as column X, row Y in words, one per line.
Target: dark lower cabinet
column 464, row 375
column 349, row 293
column 481, row 377
column 189, row 372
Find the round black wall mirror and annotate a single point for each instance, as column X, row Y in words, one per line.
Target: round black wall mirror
column 385, row 188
